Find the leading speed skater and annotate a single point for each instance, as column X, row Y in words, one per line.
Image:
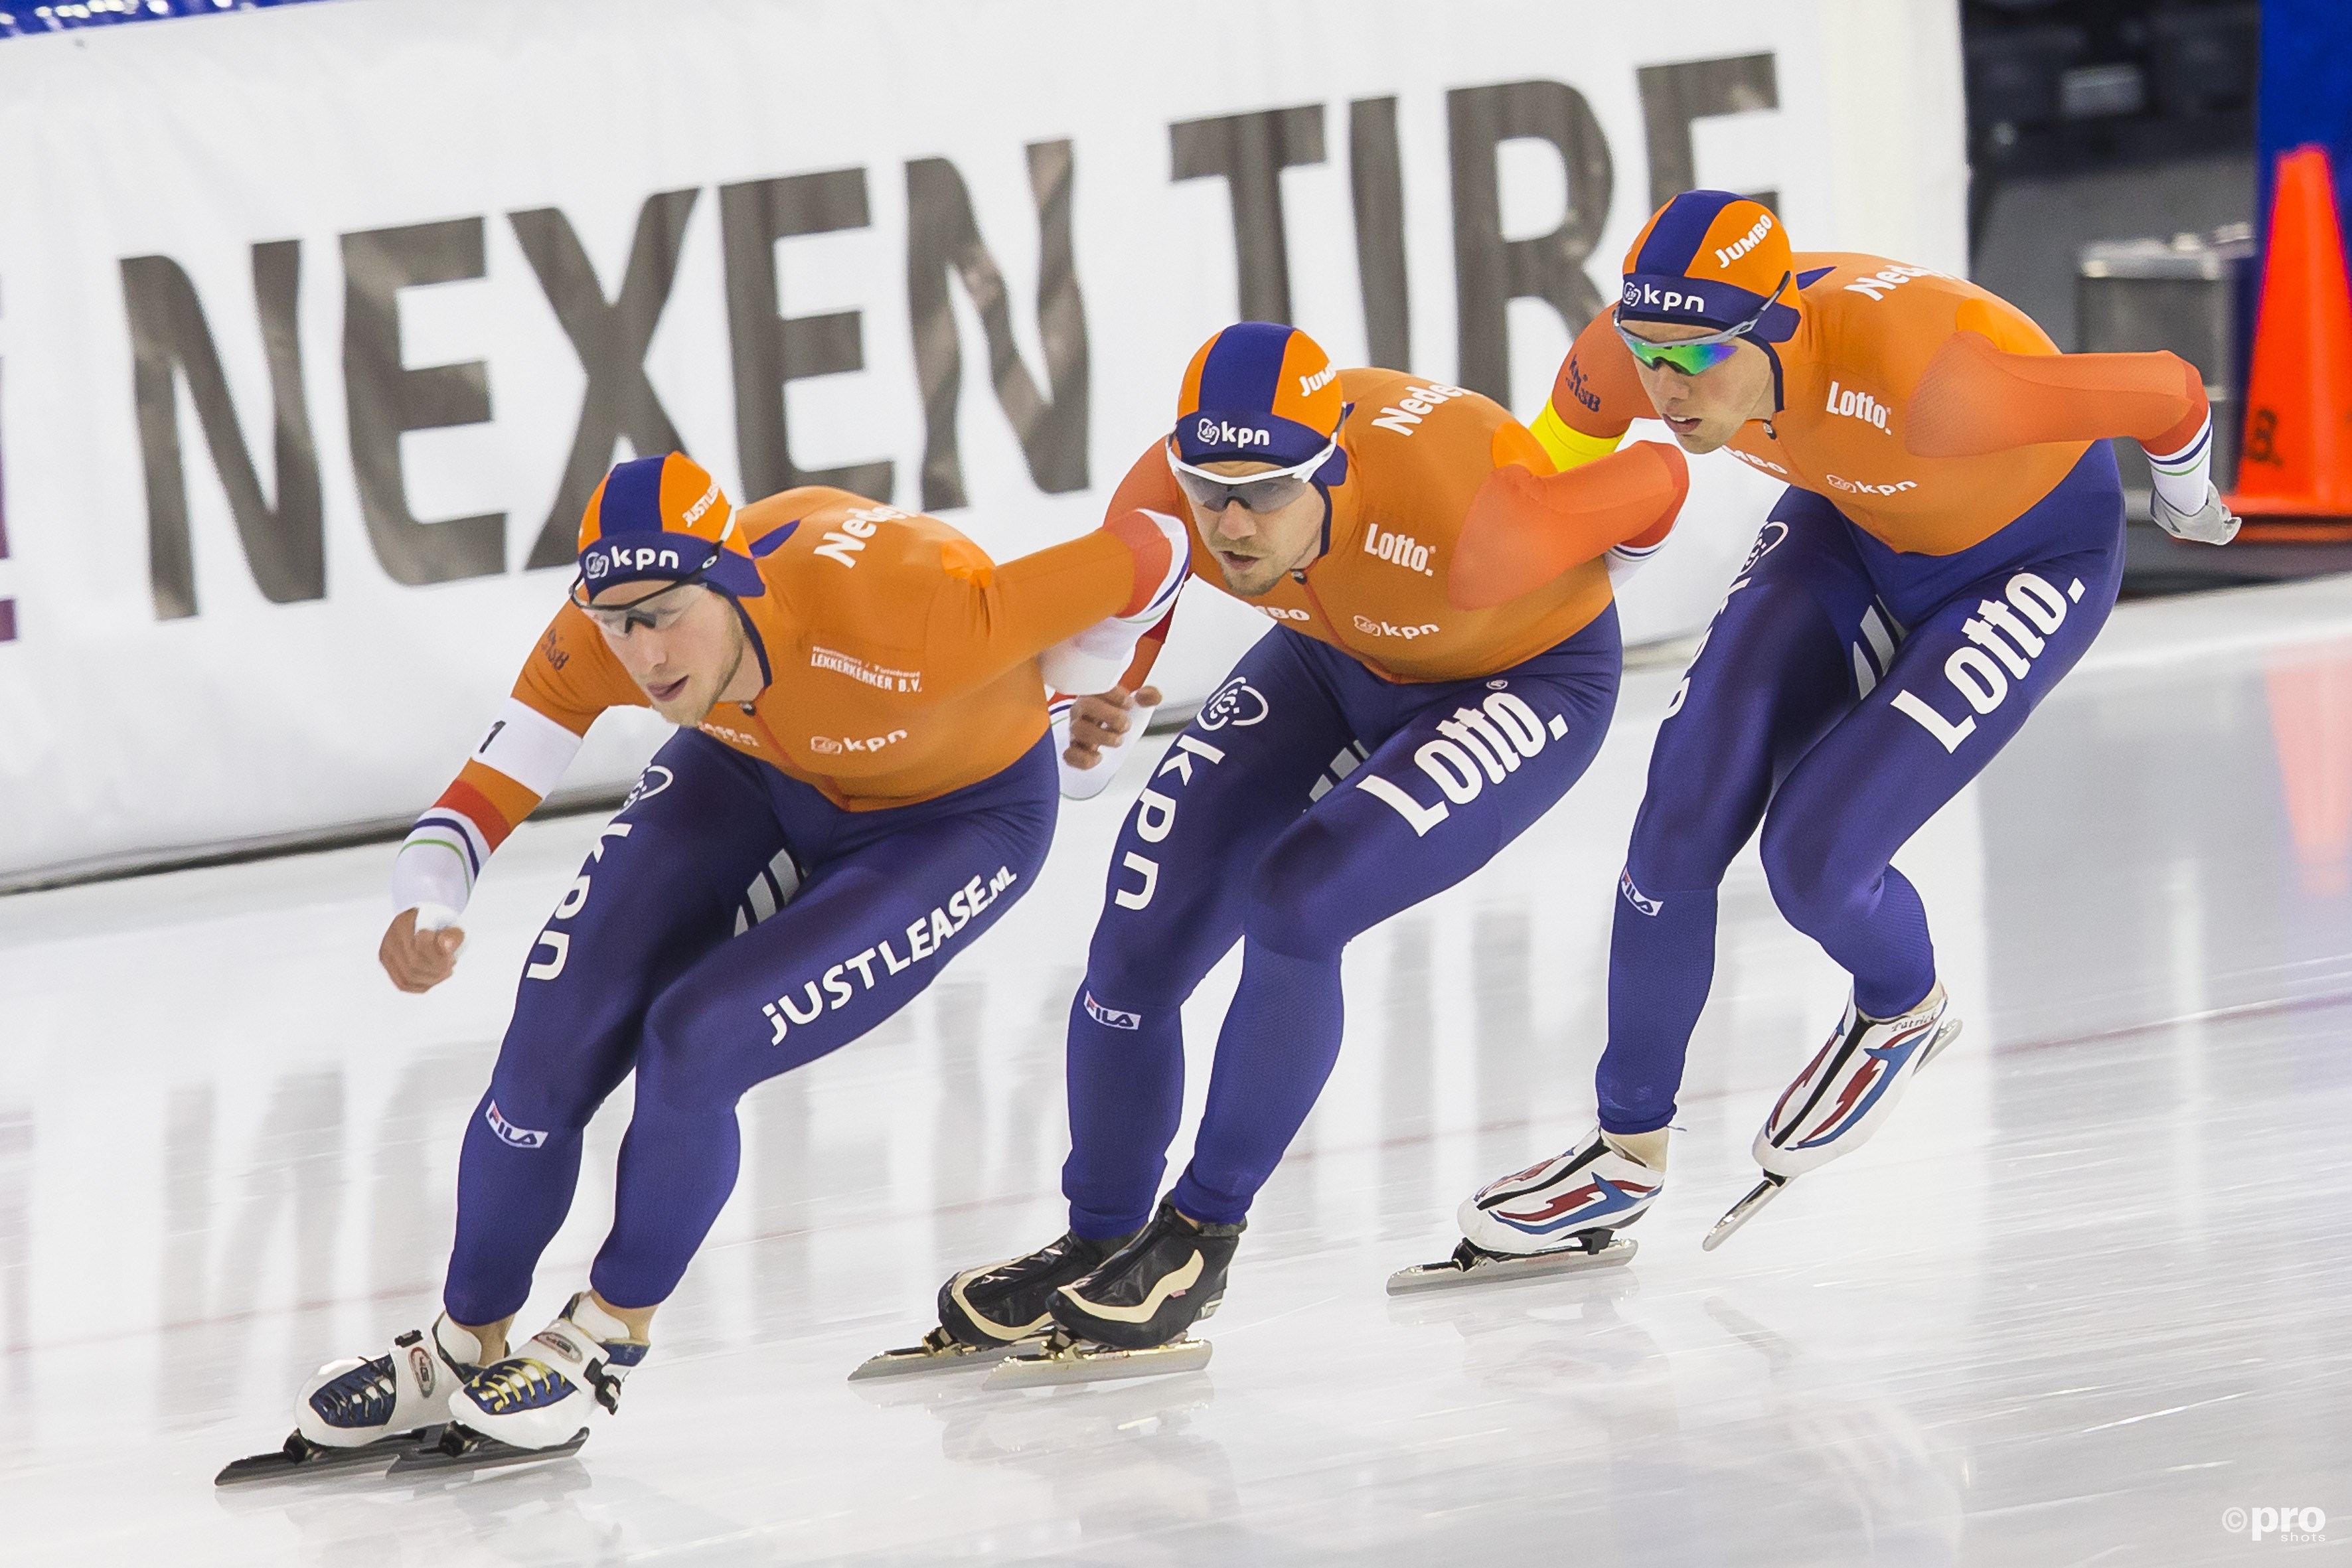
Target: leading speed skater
column 1948, row 541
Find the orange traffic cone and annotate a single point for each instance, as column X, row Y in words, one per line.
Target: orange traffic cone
column 2294, row 470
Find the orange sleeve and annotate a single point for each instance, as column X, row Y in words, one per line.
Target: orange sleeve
column 490, row 800
column 1597, row 391
column 570, row 677
column 986, row 619
column 1973, row 399
column 1149, row 487
column 1524, row 530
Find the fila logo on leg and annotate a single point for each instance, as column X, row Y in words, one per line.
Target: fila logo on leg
column 1635, row 897
column 520, row 1137
column 1112, row 1017
column 2005, row 637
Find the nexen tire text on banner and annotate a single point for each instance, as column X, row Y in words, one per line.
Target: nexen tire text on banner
column 304, row 388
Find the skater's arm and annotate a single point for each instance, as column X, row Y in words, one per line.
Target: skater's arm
column 1595, row 398
column 1974, row 400
column 1084, row 664
column 1524, row 530
column 986, row 619
column 1094, row 610
column 568, row 681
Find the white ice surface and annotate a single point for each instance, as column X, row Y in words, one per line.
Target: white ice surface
column 2090, row 1289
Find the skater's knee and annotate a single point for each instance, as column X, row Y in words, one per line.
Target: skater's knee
column 1682, row 842
column 1144, row 967
column 1300, row 900
column 549, row 1103
column 1815, row 885
column 676, row 1068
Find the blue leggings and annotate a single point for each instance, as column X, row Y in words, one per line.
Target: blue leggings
column 684, row 951
column 1310, row 801
column 1843, row 694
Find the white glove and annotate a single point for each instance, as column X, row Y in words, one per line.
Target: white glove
column 2209, row 524
column 1624, row 560
column 427, row 876
column 1095, row 658
column 1084, row 784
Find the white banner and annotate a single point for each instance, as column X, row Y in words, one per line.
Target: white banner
column 316, row 324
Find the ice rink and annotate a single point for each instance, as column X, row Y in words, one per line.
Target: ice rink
column 2090, row 1289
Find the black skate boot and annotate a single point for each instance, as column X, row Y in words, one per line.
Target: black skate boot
column 1128, row 1318
column 985, row 1311
column 1005, row 1302
column 1149, row 1291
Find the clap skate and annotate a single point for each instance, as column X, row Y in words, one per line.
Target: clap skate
column 538, row 1403
column 1846, row 1092
column 1558, row 1217
column 1128, row 1318
column 984, row 1312
column 361, row 1412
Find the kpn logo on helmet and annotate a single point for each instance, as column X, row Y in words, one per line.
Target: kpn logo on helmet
column 1224, row 433
column 1649, row 297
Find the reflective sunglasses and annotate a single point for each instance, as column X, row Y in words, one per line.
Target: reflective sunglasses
column 1257, row 492
column 1692, row 355
column 656, row 612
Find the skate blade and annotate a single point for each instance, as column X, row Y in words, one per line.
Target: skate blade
column 1946, row 1032
column 1037, row 1366
column 461, row 1449
column 300, row 1457
column 1740, row 1213
column 922, row 1360
column 1491, row 1268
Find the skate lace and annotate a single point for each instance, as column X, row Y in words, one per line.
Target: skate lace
column 362, row 1397
column 516, row 1384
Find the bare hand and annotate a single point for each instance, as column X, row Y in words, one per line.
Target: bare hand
column 1102, row 719
column 417, row 961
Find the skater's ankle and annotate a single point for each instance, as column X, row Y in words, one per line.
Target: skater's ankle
column 489, row 1339
column 1935, row 994
column 1643, row 1148
column 638, row 1320
column 1179, row 1213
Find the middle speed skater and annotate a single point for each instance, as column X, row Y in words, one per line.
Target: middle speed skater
column 1376, row 746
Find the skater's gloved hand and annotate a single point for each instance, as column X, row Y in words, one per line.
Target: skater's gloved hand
column 418, row 960
column 1099, row 727
column 2210, row 525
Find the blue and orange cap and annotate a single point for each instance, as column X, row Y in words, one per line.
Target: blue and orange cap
column 1263, row 392
column 1710, row 259
column 662, row 518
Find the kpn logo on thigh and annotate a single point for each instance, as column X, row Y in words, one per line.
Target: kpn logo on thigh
column 1475, row 747
column 2005, row 637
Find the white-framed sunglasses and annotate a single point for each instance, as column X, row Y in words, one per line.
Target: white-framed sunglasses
column 656, row 612
column 1265, row 493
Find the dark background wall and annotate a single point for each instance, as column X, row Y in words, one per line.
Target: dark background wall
column 2092, row 119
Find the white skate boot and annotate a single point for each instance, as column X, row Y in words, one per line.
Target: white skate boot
column 1553, row 1217
column 540, row 1399
column 362, row 1409
column 1844, row 1094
